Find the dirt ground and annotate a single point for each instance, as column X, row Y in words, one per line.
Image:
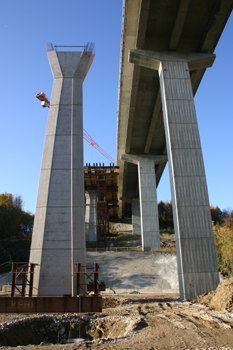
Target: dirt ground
column 133, row 321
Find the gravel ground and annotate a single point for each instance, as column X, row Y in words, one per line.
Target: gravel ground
column 139, row 321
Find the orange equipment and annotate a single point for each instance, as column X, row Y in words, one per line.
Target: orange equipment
column 45, row 103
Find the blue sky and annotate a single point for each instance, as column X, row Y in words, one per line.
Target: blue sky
column 25, row 27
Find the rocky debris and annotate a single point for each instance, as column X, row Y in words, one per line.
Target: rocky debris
column 220, row 299
column 58, row 329
column 110, row 302
column 140, row 322
column 41, row 329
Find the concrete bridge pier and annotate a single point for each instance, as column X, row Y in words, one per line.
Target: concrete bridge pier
column 148, row 198
column 91, row 216
column 58, row 240
column 196, row 255
column 136, row 217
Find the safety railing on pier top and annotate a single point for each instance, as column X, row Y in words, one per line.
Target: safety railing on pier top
column 88, row 47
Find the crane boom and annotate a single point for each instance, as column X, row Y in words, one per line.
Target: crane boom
column 89, row 139
column 45, row 103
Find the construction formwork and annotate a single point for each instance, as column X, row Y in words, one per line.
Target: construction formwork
column 103, row 180
column 111, row 173
column 102, row 210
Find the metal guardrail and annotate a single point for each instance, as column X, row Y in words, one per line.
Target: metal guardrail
column 49, row 47
column 90, row 47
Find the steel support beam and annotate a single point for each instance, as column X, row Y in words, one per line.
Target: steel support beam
column 50, row 304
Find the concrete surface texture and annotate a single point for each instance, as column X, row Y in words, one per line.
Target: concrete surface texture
column 136, row 217
column 91, row 216
column 157, row 26
column 148, row 205
column 137, row 271
column 148, row 198
column 196, row 255
column 170, row 26
column 58, row 240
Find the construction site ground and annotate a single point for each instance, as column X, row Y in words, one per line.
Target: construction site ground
column 137, row 321
column 141, row 309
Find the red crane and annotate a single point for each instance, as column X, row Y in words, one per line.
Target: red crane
column 89, row 139
column 45, row 103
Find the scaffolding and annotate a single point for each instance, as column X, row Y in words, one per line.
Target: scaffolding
column 24, row 271
column 102, row 210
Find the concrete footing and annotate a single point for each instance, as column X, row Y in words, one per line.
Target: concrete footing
column 143, row 272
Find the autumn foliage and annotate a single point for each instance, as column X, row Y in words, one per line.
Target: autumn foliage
column 13, row 220
column 223, row 235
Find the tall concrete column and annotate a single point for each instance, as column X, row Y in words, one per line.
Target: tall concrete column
column 148, row 198
column 136, row 217
column 58, row 240
column 90, row 216
column 196, row 255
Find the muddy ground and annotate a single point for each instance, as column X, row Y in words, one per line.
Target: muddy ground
column 135, row 321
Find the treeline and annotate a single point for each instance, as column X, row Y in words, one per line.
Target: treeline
column 223, row 233
column 13, row 220
column 166, row 218
column 16, row 222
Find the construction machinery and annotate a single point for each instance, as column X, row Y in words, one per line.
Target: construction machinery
column 44, row 101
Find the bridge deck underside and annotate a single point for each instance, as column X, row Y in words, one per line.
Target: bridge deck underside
column 178, row 25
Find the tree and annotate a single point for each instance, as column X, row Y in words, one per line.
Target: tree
column 13, row 220
column 223, row 234
column 26, row 224
column 216, row 214
column 165, row 214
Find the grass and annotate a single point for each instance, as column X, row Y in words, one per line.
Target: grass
column 125, row 237
column 167, row 230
